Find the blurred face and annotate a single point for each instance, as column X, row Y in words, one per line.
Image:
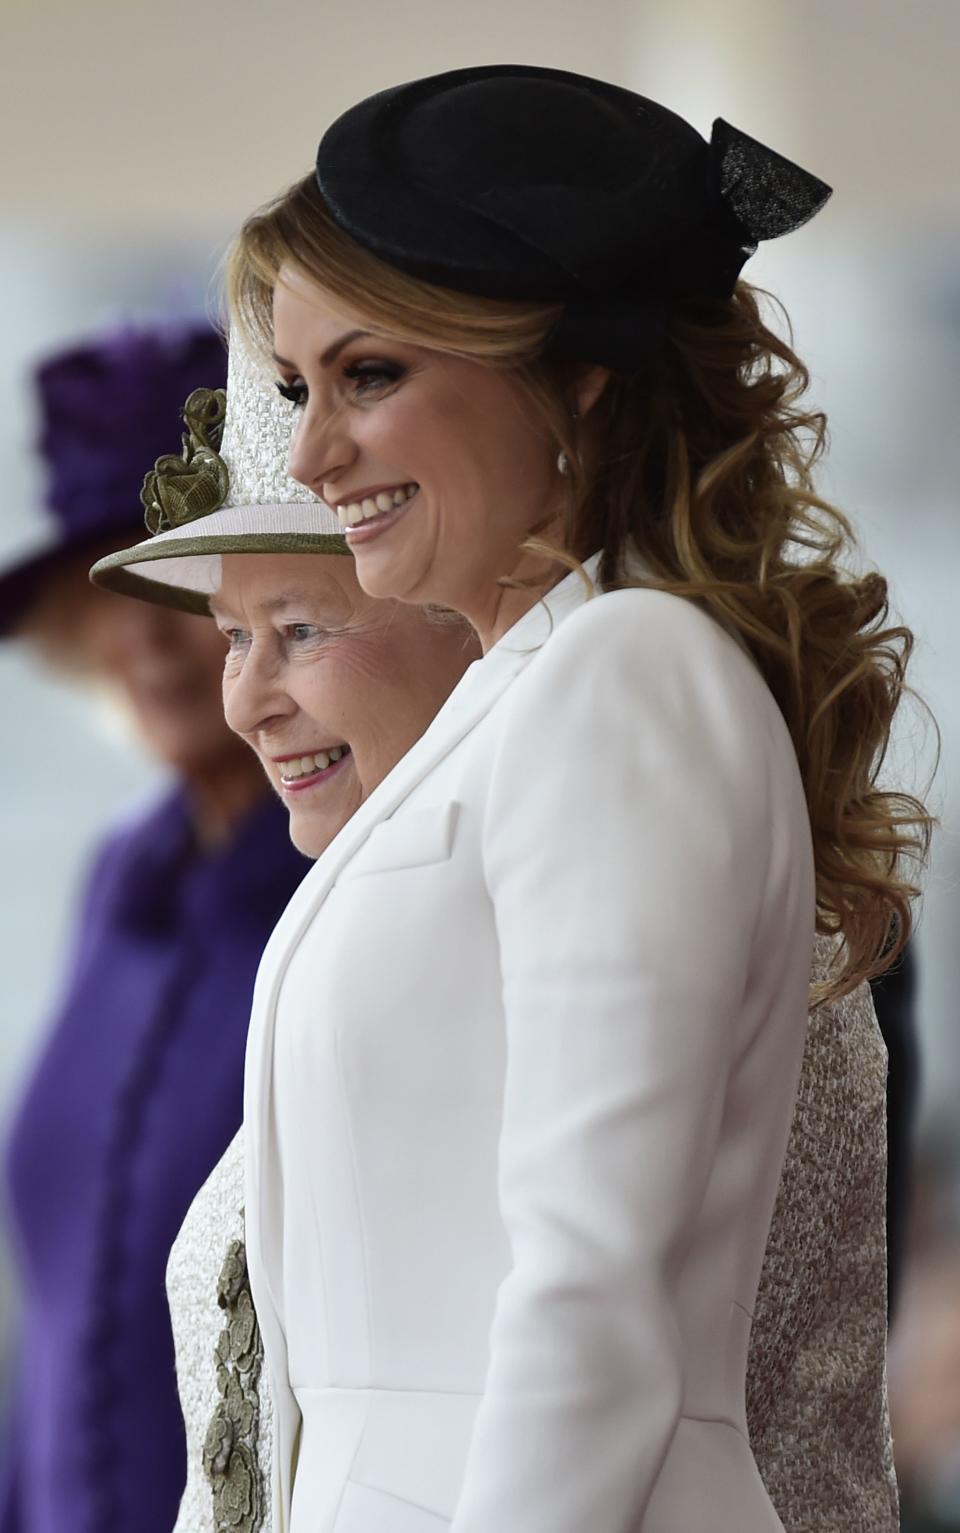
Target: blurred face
column 439, row 464
column 329, row 686
column 162, row 667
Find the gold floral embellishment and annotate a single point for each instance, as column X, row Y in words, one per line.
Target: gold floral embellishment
column 180, row 489
column 233, row 1275
column 230, row 1446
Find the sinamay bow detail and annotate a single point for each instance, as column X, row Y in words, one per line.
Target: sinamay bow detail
column 179, row 489
column 767, row 193
column 754, row 194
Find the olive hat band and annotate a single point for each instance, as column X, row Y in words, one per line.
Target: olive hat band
column 183, row 567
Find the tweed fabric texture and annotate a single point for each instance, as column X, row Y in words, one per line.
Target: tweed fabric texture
column 816, row 1376
column 257, row 436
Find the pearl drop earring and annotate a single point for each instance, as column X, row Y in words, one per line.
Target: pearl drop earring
column 563, row 462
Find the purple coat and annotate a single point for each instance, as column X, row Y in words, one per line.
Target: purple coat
column 136, row 1095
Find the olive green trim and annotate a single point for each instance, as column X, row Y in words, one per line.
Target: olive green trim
column 111, row 575
column 179, row 598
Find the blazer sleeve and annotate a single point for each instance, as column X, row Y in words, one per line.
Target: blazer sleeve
column 626, row 849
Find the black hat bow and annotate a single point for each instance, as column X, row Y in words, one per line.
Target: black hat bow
column 515, row 182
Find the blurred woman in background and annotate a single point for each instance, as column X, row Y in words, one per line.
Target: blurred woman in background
column 336, row 688
column 137, row 1087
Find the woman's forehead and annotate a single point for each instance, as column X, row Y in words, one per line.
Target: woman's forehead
column 270, row 583
column 307, row 316
column 300, row 298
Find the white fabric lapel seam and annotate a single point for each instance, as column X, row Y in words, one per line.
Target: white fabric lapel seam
column 480, row 688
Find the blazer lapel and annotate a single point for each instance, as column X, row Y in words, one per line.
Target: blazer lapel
column 477, row 692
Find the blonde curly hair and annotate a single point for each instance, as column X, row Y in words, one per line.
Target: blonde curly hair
column 705, row 468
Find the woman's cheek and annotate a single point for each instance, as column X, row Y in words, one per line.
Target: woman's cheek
column 228, row 682
column 357, row 657
column 232, row 665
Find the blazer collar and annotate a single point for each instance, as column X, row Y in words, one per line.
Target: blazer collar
column 476, row 693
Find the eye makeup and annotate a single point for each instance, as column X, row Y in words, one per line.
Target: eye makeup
column 295, row 392
column 373, row 374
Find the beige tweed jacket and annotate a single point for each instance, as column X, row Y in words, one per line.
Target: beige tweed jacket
column 816, row 1379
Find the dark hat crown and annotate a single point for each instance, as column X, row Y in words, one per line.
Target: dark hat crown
column 511, row 181
column 109, row 407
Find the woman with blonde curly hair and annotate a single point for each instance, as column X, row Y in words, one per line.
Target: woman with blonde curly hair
column 525, row 1049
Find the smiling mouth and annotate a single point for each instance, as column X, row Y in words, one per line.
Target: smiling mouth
column 374, row 508
column 304, row 771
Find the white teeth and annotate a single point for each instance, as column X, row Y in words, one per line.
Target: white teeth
column 353, row 512
column 308, row 766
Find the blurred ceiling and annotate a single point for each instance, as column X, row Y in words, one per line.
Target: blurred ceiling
column 152, row 114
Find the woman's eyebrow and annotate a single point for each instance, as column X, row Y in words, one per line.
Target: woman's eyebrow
column 323, row 603
column 292, row 598
column 218, row 613
column 331, row 353
column 315, row 605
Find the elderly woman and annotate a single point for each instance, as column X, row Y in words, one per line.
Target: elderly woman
column 508, row 1192
column 337, row 686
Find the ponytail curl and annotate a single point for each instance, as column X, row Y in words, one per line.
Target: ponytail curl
column 708, row 473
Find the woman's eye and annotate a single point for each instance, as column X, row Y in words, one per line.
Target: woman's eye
column 373, row 377
column 295, row 392
column 237, row 638
column 301, row 633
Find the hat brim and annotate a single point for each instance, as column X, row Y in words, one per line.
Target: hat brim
column 183, row 568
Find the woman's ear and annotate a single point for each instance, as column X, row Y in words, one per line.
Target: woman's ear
column 590, row 384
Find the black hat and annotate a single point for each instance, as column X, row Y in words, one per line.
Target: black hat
column 515, row 182
column 108, row 406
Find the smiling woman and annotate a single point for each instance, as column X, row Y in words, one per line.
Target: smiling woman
column 509, row 1186
column 392, row 432
column 328, row 685
column 330, row 688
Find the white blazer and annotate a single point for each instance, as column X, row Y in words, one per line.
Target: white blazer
column 520, row 1076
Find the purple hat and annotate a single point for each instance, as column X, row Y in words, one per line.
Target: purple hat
column 109, row 408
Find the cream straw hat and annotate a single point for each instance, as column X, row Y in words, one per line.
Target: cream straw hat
column 228, row 492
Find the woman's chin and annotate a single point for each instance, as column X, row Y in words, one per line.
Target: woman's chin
column 392, row 563
column 312, row 829
column 387, row 576
column 310, row 838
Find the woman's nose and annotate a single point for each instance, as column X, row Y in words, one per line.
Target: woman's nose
column 255, row 696
column 322, row 448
